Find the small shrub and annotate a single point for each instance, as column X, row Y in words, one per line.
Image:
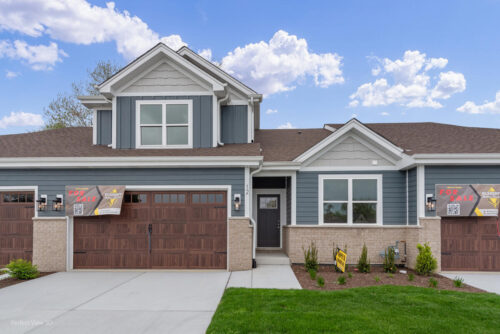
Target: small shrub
column 321, row 281
column 433, row 283
column 341, row 280
column 312, row 274
column 349, row 275
column 22, row 269
column 363, row 262
column 458, row 282
column 411, row 277
column 311, row 257
column 389, row 255
column 426, row 263
column 390, row 275
column 377, row 279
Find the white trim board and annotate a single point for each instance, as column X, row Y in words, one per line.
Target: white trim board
column 349, row 178
column 283, row 201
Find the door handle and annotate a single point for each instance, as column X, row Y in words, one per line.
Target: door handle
column 150, row 230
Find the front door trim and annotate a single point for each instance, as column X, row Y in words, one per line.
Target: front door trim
column 283, row 201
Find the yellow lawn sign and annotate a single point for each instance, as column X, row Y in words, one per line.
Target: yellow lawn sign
column 340, row 260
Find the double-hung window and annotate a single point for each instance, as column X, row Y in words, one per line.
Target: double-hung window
column 350, row 199
column 164, row 124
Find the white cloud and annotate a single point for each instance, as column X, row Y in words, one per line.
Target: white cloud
column 21, row 119
column 206, row 53
column 271, row 111
column 485, row 108
column 278, row 65
column 38, row 57
column 409, row 83
column 79, row 22
column 11, row 74
column 287, row 125
column 384, row 113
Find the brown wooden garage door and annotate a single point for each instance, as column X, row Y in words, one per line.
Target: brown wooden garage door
column 470, row 244
column 157, row 230
column 16, row 226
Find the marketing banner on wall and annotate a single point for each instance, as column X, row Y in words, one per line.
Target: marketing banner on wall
column 467, row 200
column 94, row 200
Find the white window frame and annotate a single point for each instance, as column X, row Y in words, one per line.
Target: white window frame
column 349, row 178
column 164, row 124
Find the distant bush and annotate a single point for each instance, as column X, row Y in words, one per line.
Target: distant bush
column 377, row 279
column 349, row 275
column 363, row 262
column 426, row 263
column 433, row 283
column 341, row 280
column 22, row 269
column 312, row 274
column 458, row 282
column 311, row 257
column 320, row 281
column 389, row 255
column 411, row 277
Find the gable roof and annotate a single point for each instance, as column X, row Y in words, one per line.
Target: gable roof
column 142, row 60
column 431, row 138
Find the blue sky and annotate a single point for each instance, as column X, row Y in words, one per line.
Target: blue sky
column 382, row 61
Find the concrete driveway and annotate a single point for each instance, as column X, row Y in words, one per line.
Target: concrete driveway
column 483, row 280
column 113, row 302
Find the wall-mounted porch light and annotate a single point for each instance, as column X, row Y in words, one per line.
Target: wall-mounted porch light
column 42, row 203
column 57, row 204
column 237, row 202
column 430, row 202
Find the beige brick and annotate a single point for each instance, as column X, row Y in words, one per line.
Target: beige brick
column 377, row 238
column 240, row 244
column 49, row 243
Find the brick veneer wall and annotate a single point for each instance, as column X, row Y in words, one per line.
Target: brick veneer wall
column 240, row 244
column 49, row 243
column 377, row 238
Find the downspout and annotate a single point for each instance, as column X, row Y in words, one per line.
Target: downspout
column 219, row 111
column 254, row 224
column 252, row 119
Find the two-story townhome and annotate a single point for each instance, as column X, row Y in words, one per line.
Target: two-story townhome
column 175, row 173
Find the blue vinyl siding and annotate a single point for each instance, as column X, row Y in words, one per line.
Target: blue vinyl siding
column 412, row 196
column 53, row 181
column 394, row 196
column 234, row 124
column 104, row 127
column 202, row 119
column 459, row 175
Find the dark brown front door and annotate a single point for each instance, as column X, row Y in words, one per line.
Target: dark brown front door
column 159, row 230
column 470, row 244
column 268, row 221
column 16, row 226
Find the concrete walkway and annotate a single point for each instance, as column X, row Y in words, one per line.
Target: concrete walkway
column 265, row 277
column 113, row 302
column 483, row 280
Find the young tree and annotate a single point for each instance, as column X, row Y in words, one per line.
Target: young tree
column 66, row 111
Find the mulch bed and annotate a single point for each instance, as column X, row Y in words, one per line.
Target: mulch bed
column 360, row 279
column 12, row 281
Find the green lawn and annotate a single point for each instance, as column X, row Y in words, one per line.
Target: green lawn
column 381, row 309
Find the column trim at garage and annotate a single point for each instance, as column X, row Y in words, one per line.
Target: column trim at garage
column 226, row 188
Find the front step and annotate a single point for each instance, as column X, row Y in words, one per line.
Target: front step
column 273, row 258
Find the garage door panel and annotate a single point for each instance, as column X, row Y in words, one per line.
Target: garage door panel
column 183, row 234
column 470, row 244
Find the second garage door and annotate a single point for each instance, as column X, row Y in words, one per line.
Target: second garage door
column 157, row 230
column 470, row 244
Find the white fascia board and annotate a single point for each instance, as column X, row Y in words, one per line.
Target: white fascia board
column 124, row 162
column 184, row 51
column 351, row 125
column 95, row 102
column 280, row 165
column 160, row 48
column 450, row 159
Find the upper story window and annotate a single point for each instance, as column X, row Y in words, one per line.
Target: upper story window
column 350, row 199
column 164, row 124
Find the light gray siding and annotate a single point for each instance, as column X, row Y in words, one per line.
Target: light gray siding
column 394, row 196
column 459, row 175
column 53, row 181
column 104, row 118
column 412, row 196
column 234, row 128
column 202, row 119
